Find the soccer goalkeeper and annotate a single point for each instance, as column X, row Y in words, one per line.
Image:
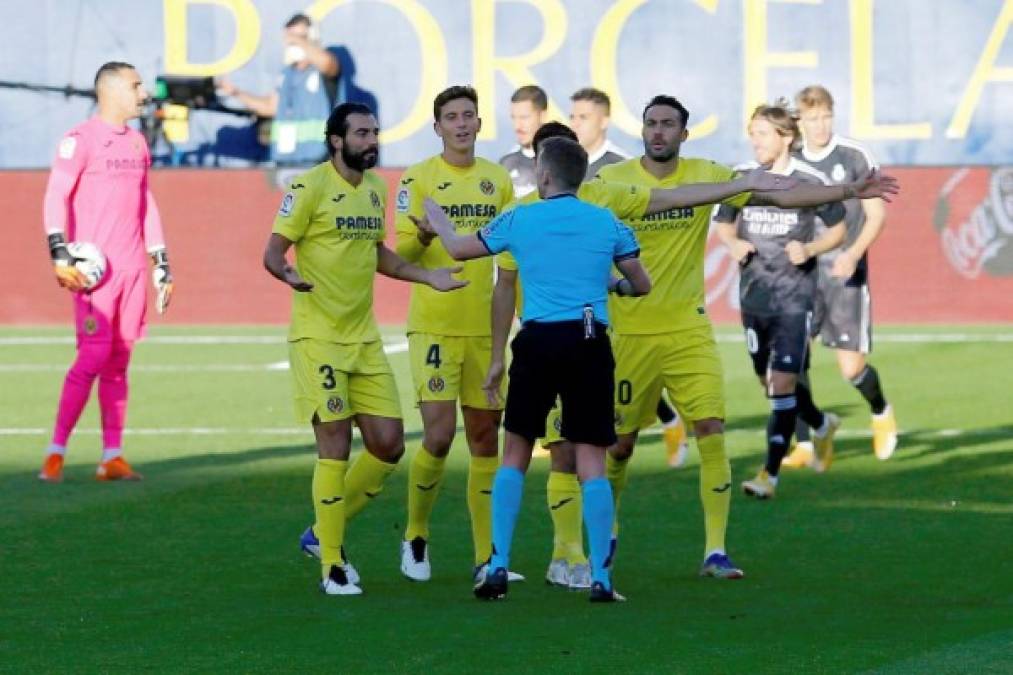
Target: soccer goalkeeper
column 98, row 193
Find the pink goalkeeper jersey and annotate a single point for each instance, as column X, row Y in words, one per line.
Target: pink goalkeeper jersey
column 98, row 193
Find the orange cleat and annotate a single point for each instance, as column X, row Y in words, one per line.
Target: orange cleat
column 116, row 469
column 52, row 468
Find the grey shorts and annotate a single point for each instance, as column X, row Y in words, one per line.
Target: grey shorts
column 843, row 315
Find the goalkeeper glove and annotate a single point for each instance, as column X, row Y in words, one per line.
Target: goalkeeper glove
column 162, row 278
column 67, row 275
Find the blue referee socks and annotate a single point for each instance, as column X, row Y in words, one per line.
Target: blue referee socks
column 506, row 504
column 598, row 515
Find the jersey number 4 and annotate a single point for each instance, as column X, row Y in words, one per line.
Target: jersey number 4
column 433, row 356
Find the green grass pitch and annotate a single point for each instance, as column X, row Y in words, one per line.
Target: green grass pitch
column 895, row 567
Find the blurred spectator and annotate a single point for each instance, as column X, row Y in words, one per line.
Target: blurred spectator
column 305, row 96
column 528, row 107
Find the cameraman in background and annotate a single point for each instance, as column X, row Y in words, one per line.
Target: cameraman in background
column 303, row 100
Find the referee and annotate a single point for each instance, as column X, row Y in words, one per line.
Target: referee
column 565, row 250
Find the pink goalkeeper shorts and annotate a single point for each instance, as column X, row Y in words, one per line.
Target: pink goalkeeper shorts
column 114, row 311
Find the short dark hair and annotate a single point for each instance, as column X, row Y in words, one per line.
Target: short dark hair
column 669, row 102
column 298, row 19
column 337, row 123
column 533, row 93
column 451, row 94
column 595, row 96
column 565, row 161
column 110, row 68
column 551, row 130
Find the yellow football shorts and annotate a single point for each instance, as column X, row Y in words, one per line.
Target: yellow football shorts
column 336, row 381
column 448, row 368
column 683, row 363
column 553, row 425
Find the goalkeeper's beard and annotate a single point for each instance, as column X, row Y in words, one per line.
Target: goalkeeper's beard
column 359, row 161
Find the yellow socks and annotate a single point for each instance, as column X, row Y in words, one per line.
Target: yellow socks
column 425, row 474
column 566, row 509
column 329, row 507
column 481, row 473
column 364, row 481
column 615, row 471
column 715, row 489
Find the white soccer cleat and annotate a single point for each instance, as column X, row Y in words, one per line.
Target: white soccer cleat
column 415, row 560
column 310, row 545
column 558, row 573
column 338, row 583
column 580, row 577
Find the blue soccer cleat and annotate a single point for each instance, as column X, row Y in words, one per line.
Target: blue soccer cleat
column 720, row 566
column 310, row 545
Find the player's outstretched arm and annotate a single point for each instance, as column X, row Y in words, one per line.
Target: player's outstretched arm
column 276, row 263
column 504, row 300
column 392, row 265
column 635, row 282
column 459, row 247
column 872, row 185
column 697, row 194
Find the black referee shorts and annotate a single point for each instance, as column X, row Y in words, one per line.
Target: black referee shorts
column 551, row 359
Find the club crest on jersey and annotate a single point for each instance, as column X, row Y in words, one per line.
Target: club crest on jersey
column 90, row 325
column 487, row 187
column 838, row 173
column 335, row 404
column 374, row 199
column 402, row 200
column 67, row 147
column 557, row 424
column 618, row 419
column 436, row 384
column 287, row 202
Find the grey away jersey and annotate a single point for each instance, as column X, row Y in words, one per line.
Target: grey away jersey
column 843, row 161
column 769, row 283
column 521, row 167
column 607, row 154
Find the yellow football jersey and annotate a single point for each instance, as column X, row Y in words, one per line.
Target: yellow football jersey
column 625, row 200
column 335, row 228
column 471, row 197
column 672, row 248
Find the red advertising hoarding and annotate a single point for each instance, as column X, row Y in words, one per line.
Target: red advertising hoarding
column 946, row 255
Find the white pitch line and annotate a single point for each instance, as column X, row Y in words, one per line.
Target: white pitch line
column 917, row 338
column 289, row 431
column 27, row 340
column 396, row 348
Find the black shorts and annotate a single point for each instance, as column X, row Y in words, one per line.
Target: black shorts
column 843, row 315
column 778, row 342
column 555, row 359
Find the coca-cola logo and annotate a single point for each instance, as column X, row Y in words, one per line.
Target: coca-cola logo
column 981, row 240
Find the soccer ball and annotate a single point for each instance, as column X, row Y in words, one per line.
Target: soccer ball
column 89, row 261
